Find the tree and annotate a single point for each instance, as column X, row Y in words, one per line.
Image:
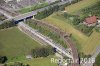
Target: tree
column 7, row 24
column 27, row 65
column 76, row 21
column 3, row 59
column 97, row 61
column 42, row 52
column 18, row 64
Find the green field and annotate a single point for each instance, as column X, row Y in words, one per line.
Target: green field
column 15, row 45
column 80, row 5
column 84, row 43
column 41, row 62
column 37, row 61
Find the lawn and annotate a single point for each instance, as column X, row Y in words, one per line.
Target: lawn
column 84, row 43
column 41, row 62
column 80, row 5
column 15, row 45
column 38, row 61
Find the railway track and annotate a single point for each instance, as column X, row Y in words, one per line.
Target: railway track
column 66, row 38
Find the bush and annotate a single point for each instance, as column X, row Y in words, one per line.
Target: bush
column 42, row 52
column 76, row 21
column 97, row 61
column 7, row 24
column 66, row 15
column 85, row 29
column 97, row 29
column 93, row 10
column 3, row 59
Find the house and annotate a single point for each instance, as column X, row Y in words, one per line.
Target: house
column 90, row 21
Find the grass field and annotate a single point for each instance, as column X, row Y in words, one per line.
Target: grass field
column 41, row 62
column 15, row 45
column 86, row 44
column 80, row 5
column 37, row 61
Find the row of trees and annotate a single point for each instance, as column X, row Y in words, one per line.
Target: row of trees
column 42, row 52
column 7, row 24
column 93, row 10
column 52, row 9
column 47, row 12
column 47, row 32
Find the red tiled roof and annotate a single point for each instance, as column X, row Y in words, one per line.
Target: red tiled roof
column 91, row 20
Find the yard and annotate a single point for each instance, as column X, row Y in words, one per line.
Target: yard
column 15, row 45
column 84, row 43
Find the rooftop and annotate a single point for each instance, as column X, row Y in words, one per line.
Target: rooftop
column 91, row 20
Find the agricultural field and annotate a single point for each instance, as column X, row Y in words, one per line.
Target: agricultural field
column 86, row 44
column 15, row 45
column 74, row 8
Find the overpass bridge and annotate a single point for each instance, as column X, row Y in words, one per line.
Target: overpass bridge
column 31, row 14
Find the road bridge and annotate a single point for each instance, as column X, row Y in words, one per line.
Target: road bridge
column 31, row 14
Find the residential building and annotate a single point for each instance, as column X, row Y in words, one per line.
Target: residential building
column 90, row 21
